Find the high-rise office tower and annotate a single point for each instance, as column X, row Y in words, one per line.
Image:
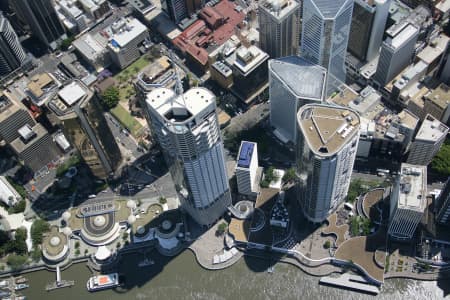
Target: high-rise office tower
column 41, row 17
column 246, row 169
column 187, row 130
column 442, row 205
column 325, row 31
column 366, row 32
column 176, row 9
column 396, row 52
column 12, row 54
column 293, row 82
column 427, row 142
column 13, row 116
column 326, row 152
column 408, row 202
column 279, row 27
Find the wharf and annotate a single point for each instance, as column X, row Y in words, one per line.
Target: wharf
column 59, row 285
column 351, row 282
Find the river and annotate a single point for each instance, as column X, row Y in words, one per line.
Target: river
column 182, row 278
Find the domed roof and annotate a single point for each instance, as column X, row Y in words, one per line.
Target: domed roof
column 55, row 241
column 67, row 231
column 66, row 216
column 131, row 219
column 131, row 204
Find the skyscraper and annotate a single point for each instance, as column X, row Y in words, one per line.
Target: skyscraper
column 12, row 54
column 367, row 29
column 279, row 27
column 326, row 152
column 187, row 130
column 408, row 202
column 41, row 17
column 396, row 52
column 427, row 142
column 325, row 32
column 293, row 82
column 176, row 9
column 246, row 169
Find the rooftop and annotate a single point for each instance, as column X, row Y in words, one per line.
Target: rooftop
column 19, row 144
column 440, row 96
column 203, row 36
column 344, row 97
column 279, row 8
column 38, row 84
column 304, row 79
column 413, row 187
column 431, row 130
column 180, row 108
column 124, row 31
column 248, row 59
column 435, row 49
column 401, row 36
column 330, row 8
column 245, row 154
column 327, row 128
column 71, row 93
column 408, row 119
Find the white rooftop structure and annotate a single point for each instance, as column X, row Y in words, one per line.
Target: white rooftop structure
column 125, row 30
column 8, row 194
column 26, row 132
column 71, row 93
column 431, row 130
column 247, row 59
column 408, row 32
column 412, row 187
column 192, row 103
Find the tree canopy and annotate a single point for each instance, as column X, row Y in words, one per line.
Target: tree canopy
column 110, row 97
column 38, row 228
column 441, row 162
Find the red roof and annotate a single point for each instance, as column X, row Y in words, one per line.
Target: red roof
column 218, row 26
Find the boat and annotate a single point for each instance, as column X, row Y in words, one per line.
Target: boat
column 145, row 263
column 101, row 282
column 4, row 283
column 270, row 270
column 21, row 286
column 21, row 280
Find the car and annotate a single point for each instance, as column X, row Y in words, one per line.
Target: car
column 92, row 196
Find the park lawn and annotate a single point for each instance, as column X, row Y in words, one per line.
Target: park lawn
column 127, row 73
column 126, row 119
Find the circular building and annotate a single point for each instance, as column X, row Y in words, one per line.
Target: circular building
column 55, row 247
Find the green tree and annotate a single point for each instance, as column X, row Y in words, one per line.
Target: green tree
column 16, row 261
column 4, row 238
column 36, row 254
column 18, row 208
column 162, row 200
column 125, row 236
column 65, row 44
column 289, row 175
column 77, row 252
column 38, row 228
column 441, row 162
column 221, row 228
column 77, row 244
column 327, row 244
column 110, row 97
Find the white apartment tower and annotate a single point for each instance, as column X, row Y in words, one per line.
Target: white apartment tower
column 293, row 82
column 325, row 33
column 408, row 201
column 187, row 130
column 326, row 152
column 279, row 27
column 246, row 169
column 396, row 52
column 427, row 142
